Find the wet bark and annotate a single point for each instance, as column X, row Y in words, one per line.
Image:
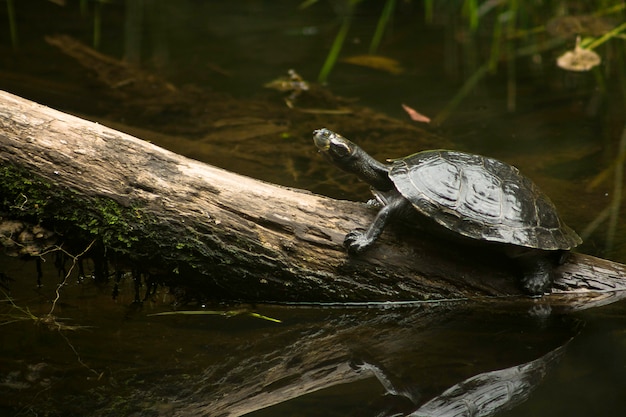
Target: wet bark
column 229, row 235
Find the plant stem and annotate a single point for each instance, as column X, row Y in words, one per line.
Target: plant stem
column 97, row 24
column 471, row 9
column 390, row 5
column 606, row 36
column 12, row 23
column 428, row 10
column 335, row 49
column 617, row 197
column 463, row 92
column 510, row 56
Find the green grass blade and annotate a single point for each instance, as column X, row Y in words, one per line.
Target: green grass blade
column 383, row 21
column 228, row 313
column 463, row 92
column 428, row 10
column 262, row 317
column 335, row 49
column 12, row 23
column 471, row 10
column 616, row 31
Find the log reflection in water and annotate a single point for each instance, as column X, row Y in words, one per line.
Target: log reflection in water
column 413, row 353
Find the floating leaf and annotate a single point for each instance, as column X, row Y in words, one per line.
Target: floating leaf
column 377, row 62
column 579, row 59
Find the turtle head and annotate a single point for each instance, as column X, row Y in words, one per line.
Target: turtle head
column 337, row 149
column 351, row 158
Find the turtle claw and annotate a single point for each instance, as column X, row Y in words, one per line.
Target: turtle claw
column 356, row 241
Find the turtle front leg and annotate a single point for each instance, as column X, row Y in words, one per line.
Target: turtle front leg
column 358, row 240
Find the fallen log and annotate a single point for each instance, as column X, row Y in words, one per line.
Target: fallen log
column 230, row 236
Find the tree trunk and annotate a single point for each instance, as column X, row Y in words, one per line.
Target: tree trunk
column 231, row 236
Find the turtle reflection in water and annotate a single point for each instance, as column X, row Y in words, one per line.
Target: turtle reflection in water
column 473, row 196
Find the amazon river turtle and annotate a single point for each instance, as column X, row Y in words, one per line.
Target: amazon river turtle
column 480, row 198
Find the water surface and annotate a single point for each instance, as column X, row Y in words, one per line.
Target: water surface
column 111, row 357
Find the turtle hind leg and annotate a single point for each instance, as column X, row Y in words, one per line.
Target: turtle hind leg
column 537, row 278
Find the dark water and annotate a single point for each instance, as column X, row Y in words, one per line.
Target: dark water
column 110, row 357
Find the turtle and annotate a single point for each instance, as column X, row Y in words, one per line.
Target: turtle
column 472, row 198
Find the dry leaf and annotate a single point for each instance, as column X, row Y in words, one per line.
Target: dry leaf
column 377, row 62
column 415, row 115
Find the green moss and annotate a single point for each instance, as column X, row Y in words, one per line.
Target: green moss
column 34, row 199
column 125, row 233
column 22, row 196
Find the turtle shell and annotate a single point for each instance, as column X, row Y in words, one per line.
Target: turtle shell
column 481, row 198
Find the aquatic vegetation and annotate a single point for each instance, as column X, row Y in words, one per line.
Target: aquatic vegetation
column 225, row 313
column 335, row 49
column 512, row 30
column 12, row 23
column 520, row 29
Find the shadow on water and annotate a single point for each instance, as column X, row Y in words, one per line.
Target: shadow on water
column 494, row 94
